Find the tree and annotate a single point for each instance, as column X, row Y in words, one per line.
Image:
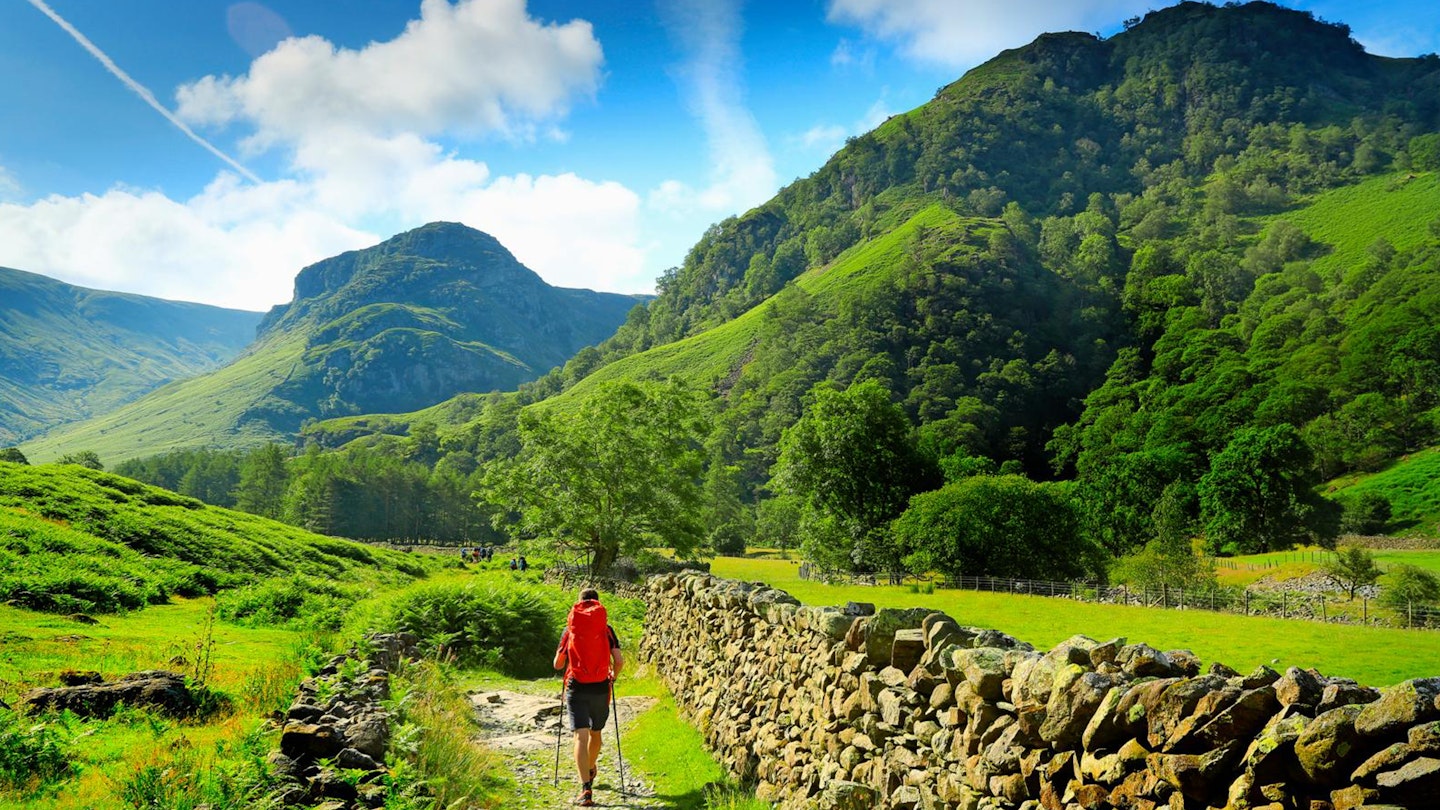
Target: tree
column 994, row 525
column 619, row 473
column 13, row 455
column 1406, row 586
column 263, row 481
column 84, row 458
column 1259, row 494
column 851, row 459
column 1352, row 568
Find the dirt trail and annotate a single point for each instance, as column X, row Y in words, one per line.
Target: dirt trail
column 524, row 729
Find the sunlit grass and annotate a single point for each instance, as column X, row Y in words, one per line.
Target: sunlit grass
column 1239, row 641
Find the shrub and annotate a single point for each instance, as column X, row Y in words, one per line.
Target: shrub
column 301, row 600
column 511, row 627
column 31, row 754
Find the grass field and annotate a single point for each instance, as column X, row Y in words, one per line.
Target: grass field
column 137, row 759
column 1409, row 483
column 1375, row 656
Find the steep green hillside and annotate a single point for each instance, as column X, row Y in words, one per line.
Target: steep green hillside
column 68, row 353
column 428, row 314
column 73, row 539
column 1108, row 261
column 1409, row 484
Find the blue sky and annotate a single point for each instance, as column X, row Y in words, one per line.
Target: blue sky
column 597, row 140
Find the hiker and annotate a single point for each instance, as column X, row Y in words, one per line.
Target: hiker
column 514, row 564
column 589, row 653
column 524, row 564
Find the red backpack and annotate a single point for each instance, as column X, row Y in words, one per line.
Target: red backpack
column 588, row 647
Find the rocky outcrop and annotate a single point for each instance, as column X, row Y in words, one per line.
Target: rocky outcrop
column 87, row 695
column 853, row 707
column 335, row 735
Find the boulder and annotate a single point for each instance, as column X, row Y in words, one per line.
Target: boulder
column 1400, row 707
column 309, row 741
column 847, row 796
column 1144, row 661
column 1415, row 784
column 1299, row 686
column 880, row 631
column 983, row 668
column 161, row 691
column 1078, row 693
column 1329, row 747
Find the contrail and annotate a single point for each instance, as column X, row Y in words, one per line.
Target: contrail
column 140, row 90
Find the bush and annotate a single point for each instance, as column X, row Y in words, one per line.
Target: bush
column 1366, row 513
column 32, row 754
column 297, row 600
column 511, row 627
column 994, row 525
column 1407, row 585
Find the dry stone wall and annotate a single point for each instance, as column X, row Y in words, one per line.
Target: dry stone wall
column 851, row 708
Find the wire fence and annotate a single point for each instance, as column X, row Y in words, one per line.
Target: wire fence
column 1310, row 604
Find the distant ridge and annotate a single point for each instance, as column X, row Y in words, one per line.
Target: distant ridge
column 68, row 353
column 427, row 314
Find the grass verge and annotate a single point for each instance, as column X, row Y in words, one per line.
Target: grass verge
column 1239, row 641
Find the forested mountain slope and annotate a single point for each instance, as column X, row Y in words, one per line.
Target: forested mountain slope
column 68, row 353
column 1203, row 246
column 408, row 323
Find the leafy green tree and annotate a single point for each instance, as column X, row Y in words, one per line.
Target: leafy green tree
column 994, row 525
column 1259, row 493
column 777, row 522
column 620, row 473
column 1406, row 586
column 1353, row 568
column 13, row 455
column 84, row 458
column 264, row 479
column 852, row 459
column 1366, row 513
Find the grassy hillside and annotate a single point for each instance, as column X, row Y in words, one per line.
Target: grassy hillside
column 73, row 539
column 427, row 314
column 68, row 353
column 213, row 410
column 1243, row 642
column 1411, row 483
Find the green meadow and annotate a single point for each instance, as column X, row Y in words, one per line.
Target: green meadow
column 1374, row 656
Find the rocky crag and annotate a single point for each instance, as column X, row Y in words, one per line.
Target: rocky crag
column 851, row 707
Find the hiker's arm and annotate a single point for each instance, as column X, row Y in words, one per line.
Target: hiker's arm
column 617, row 661
column 560, row 662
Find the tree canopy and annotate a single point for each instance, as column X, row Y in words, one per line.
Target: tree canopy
column 620, row 473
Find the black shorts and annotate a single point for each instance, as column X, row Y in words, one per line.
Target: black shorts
column 588, row 705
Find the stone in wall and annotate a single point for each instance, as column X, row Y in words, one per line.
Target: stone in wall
column 850, row 707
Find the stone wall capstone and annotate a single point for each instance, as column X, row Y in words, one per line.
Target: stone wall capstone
column 843, row 708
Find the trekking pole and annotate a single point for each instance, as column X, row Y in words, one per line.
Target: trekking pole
column 559, row 730
column 619, row 754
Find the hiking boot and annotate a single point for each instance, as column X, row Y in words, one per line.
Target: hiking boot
column 585, row 799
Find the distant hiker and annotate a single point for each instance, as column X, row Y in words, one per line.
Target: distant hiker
column 524, row 564
column 463, row 552
column 476, row 553
column 589, row 652
column 514, row 564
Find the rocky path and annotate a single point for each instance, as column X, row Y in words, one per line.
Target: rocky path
column 524, row 727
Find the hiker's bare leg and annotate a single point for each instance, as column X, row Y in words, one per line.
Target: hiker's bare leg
column 582, row 754
column 594, row 750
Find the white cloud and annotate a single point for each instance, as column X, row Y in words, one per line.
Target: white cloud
column 742, row 171
column 9, row 186
column 228, row 246
column 955, row 34
column 828, row 138
column 474, row 67
column 359, row 132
